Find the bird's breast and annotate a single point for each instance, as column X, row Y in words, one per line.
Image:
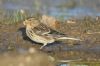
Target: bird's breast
column 39, row 38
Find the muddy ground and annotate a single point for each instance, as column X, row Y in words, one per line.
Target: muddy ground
column 14, row 40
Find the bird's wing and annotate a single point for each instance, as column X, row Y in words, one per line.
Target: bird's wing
column 41, row 29
column 60, row 37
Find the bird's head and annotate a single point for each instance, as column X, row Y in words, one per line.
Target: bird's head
column 31, row 22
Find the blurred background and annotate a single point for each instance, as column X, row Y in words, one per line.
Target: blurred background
column 57, row 8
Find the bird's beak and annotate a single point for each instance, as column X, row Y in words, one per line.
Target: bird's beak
column 24, row 22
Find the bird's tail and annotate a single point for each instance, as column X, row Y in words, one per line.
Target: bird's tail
column 61, row 38
column 62, row 61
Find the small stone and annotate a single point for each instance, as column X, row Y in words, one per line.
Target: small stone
column 32, row 50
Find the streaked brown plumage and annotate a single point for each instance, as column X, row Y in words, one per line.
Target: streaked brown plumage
column 40, row 33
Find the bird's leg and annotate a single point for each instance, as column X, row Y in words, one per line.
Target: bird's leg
column 43, row 45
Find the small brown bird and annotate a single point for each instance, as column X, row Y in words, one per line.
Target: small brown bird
column 40, row 33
